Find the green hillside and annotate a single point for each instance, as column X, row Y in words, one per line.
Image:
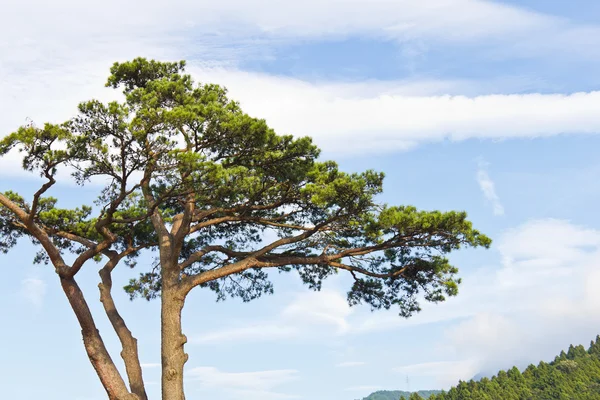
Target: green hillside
column 396, row 394
column 574, row 375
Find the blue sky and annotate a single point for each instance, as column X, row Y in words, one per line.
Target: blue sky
column 488, row 107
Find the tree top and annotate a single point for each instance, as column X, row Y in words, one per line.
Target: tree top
column 182, row 166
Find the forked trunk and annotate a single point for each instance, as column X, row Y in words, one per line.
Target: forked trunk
column 173, row 340
column 94, row 345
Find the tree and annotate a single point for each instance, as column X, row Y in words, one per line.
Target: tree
column 576, row 378
column 188, row 174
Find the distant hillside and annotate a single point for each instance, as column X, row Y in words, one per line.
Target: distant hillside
column 574, row 375
column 395, row 394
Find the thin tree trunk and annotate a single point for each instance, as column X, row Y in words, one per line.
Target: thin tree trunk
column 172, row 342
column 101, row 361
column 129, row 345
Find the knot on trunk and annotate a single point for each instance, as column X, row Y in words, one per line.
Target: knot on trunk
column 171, row 374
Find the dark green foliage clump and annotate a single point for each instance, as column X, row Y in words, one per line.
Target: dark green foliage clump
column 574, row 375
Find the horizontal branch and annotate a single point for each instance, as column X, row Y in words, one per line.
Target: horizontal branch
column 256, row 220
column 260, row 259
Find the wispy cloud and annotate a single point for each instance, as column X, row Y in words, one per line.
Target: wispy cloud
column 488, row 188
column 448, row 21
column 445, row 372
column 356, row 118
column 541, row 298
column 307, row 315
column 33, row 290
column 57, row 55
column 247, row 334
column 249, row 385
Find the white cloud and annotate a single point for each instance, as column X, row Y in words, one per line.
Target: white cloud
column 391, row 121
column 361, row 117
column 323, row 308
column 250, row 333
column 308, row 315
column 33, row 290
column 69, row 40
column 445, row 372
column 258, row 380
column 63, row 57
column 350, row 364
column 488, row 188
column 545, row 295
column 451, row 21
column 248, row 385
column 547, row 244
column 541, row 297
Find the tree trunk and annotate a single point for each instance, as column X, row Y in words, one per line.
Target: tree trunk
column 94, row 345
column 172, row 342
column 129, row 345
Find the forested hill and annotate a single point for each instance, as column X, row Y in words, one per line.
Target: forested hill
column 397, row 394
column 574, row 375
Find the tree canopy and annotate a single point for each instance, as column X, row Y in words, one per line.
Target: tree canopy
column 400, row 395
column 222, row 199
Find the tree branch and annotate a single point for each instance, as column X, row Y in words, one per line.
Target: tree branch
column 129, row 345
column 55, row 256
column 98, row 354
column 39, row 193
column 164, row 237
column 181, row 223
column 250, row 260
column 260, row 259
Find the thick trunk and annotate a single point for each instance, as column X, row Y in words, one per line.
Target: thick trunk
column 173, row 340
column 101, row 361
column 172, row 298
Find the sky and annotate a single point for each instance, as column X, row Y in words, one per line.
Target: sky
column 488, row 107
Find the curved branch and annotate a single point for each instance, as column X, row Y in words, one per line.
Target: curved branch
column 40, row 192
column 129, row 345
column 38, row 233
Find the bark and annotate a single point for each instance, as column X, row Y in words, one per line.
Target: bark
column 173, row 356
column 94, row 345
column 172, row 297
column 129, row 345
